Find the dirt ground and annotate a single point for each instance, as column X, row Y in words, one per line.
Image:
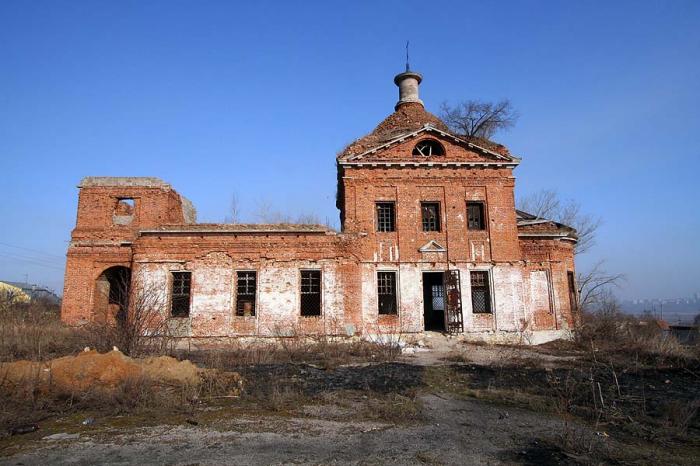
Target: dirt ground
column 443, row 402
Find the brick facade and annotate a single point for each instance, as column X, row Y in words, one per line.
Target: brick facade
column 145, row 227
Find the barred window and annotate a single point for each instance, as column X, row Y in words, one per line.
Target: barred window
column 180, row 294
column 481, row 295
column 438, row 295
column 386, row 220
column 386, row 291
column 475, row 216
column 310, row 292
column 246, row 285
column 430, row 215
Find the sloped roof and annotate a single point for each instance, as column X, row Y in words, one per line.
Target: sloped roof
column 408, row 118
column 532, row 225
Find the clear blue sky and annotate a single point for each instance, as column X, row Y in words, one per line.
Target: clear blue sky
column 256, row 98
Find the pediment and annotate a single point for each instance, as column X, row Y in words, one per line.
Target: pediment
column 432, row 246
column 401, row 149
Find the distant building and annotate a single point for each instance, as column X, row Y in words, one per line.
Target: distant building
column 25, row 292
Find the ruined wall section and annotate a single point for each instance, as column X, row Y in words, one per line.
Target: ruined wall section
column 111, row 211
column 550, row 259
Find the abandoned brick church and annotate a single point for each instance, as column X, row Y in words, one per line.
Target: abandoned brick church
column 430, row 240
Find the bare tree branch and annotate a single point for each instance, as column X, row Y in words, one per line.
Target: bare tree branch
column 546, row 204
column 477, row 118
column 594, row 286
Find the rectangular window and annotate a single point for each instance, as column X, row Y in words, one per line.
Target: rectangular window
column 386, row 291
column 246, row 285
column 180, row 295
column 386, row 219
column 572, row 291
column 475, row 216
column 311, row 292
column 430, row 215
column 481, row 294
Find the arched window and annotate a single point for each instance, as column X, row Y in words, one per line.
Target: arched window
column 428, row 148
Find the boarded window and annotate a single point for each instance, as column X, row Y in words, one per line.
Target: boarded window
column 386, row 219
column 540, row 291
column 246, row 285
column 180, row 296
column 430, row 215
column 481, row 294
column 475, row 216
column 386, row 291
column 310, row 292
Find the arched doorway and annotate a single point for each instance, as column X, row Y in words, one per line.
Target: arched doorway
column 112, row 294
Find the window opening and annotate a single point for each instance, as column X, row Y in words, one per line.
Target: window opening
column 310, row 292
column 481, row 294
column 386, row 291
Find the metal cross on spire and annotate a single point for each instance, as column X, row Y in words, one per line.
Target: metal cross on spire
column 407, row 67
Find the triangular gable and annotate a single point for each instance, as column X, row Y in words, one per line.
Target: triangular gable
column 490, row 154
column 432, row 246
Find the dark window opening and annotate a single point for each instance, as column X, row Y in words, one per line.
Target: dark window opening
column 481, row 294
column 573, row 302
column 180, row 295
column 428, row 148
column 386, row 290
column 475, row 216
column 386, row 218
column 430, row 215
column 310, row 292
column 246, row 285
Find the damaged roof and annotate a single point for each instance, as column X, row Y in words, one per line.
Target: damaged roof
column 408, row 118
column 532, row 225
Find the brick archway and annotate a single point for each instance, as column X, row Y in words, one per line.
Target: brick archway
column 112, row 288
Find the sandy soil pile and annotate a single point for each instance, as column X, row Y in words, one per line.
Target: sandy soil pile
column 90, row 369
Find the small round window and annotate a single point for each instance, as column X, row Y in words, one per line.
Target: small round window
column 428, row 147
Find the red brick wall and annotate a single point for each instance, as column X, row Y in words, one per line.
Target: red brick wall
column 102, row 238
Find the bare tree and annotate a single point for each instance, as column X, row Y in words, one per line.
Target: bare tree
column 265, row 213
column 141, row 322
column 595, row 285
column 547, row 204
column 308, row 219
column 234, row 213
column 476, row 118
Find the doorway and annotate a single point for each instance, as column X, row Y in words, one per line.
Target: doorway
column 434, row 301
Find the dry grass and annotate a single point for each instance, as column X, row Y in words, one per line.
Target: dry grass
column 627, row 339
column 34, row 332
column 323, row 352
